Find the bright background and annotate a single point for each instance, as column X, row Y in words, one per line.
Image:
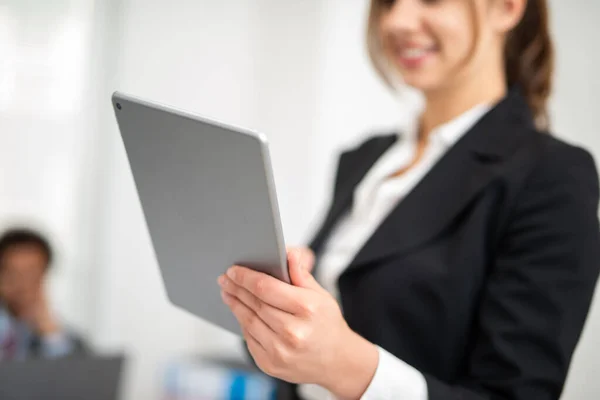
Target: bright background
column 295, row 70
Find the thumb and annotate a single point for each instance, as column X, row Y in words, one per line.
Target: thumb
column 298, row 266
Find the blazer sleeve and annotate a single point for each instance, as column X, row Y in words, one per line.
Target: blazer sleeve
column 539, row 288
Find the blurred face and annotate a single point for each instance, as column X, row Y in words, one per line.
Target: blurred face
column 22, row 272
column 432, row 43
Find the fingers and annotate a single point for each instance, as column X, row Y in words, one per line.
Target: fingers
column 275, row 318
column 256, row 349
column 268, row 289
column 264, row 358
column 300, row 275
column 305, row 254
column 250, row 322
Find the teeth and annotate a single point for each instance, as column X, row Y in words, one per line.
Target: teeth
column 413, row 53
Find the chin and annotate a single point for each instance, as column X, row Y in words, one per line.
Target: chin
column 422, row 82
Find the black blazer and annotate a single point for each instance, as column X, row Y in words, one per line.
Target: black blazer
column 481, row 278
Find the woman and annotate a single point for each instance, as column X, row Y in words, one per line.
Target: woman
column 464, row 254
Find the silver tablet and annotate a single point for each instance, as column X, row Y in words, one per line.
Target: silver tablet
column 208, row 197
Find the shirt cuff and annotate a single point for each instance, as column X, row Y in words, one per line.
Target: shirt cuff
column 395, row 380
column 57, row 344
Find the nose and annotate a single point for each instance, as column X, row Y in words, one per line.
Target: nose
column 403, row 16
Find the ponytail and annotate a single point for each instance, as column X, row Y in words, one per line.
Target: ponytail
column 529, row 58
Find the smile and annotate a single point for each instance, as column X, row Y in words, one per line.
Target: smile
column 413, row 57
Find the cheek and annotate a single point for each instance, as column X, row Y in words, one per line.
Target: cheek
column 456, row 38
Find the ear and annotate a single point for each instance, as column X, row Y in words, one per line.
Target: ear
column 506, row 14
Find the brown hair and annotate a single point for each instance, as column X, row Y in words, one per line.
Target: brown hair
column 25, row 237
column 528, row 55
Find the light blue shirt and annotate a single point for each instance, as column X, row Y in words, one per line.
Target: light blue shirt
column 50, row 346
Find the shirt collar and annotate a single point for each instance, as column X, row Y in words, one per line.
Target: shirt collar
column 402, row 151
column 450, row 132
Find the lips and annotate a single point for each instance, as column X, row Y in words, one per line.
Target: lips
column 413, row 57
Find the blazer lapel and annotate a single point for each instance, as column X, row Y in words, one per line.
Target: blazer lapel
column 463, row 172
column 357, row 168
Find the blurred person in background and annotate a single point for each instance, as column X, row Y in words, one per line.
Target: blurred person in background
column 458, row 258
column 28, row 328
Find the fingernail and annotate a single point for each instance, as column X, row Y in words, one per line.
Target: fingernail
column 221, row 280
column 231, row 273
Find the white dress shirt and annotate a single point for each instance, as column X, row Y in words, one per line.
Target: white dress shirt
column 374, row 198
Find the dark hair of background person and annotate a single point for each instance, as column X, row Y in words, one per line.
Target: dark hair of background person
column 528, row 55
column 25, row 237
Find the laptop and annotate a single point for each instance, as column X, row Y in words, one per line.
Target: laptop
column 89, row 378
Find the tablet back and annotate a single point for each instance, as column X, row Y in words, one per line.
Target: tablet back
column 208, row 197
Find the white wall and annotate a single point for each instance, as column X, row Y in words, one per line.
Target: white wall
column 575, row 118
column 47, row 161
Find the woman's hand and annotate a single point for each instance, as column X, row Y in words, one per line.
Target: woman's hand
column 297, row 333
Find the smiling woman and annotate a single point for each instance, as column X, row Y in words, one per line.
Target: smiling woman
column 449, row 42
column 463, row 252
